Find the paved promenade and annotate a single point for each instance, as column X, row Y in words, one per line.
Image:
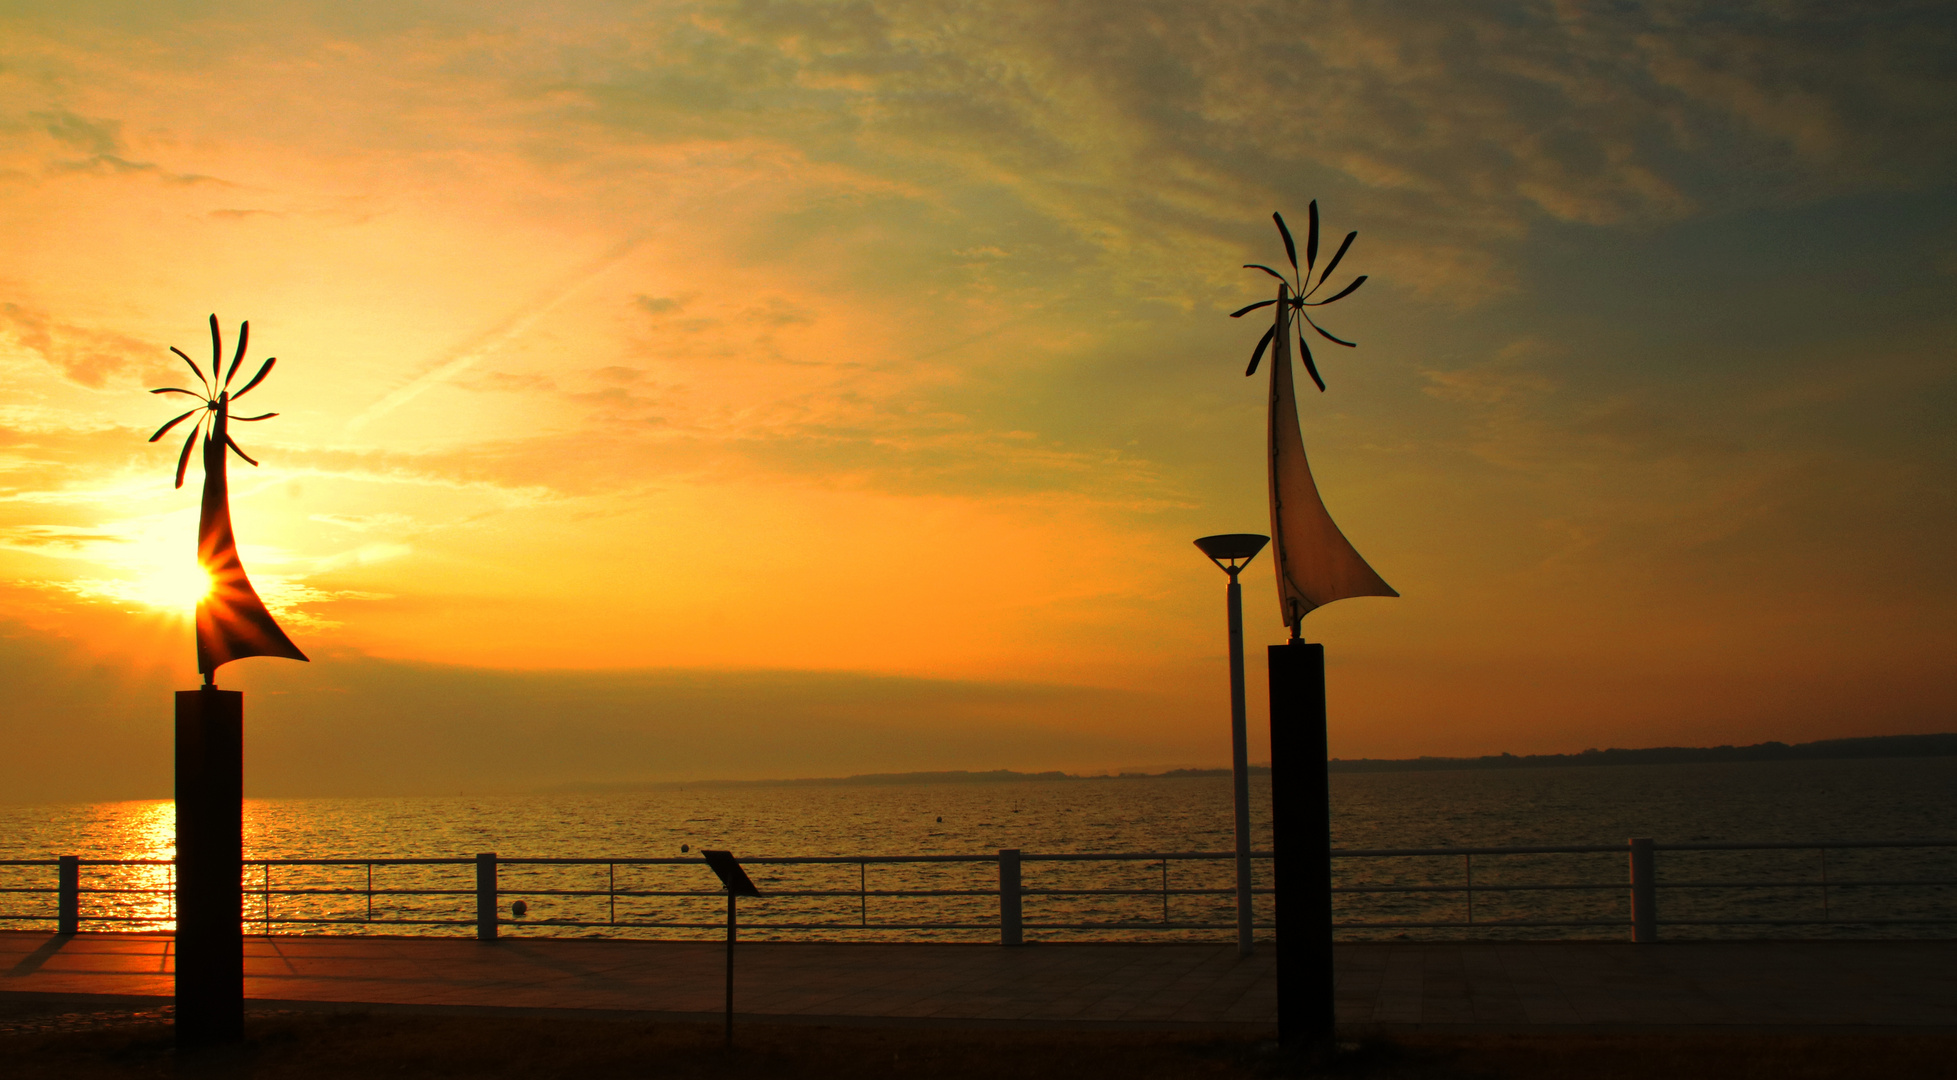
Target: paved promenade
column 1399, row 985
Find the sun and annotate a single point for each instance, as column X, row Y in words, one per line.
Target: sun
column 176, row 586
column 154, row 567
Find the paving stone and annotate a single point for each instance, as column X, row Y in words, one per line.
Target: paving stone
column 1497, row 984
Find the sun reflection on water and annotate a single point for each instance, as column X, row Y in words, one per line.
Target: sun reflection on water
column 134, row 830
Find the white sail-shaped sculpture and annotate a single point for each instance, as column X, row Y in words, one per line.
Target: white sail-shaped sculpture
column 1315, row 563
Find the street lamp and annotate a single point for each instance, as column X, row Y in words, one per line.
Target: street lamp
column 1231, row 552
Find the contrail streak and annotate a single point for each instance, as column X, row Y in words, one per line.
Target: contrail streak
column 465, row 356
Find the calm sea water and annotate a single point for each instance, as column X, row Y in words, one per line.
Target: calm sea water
column 1784, row 801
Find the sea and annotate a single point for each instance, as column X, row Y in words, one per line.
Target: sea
column 1842, row 891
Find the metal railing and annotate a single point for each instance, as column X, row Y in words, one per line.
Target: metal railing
column 1379, row 876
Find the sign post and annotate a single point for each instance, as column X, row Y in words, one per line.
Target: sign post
column 737, row 884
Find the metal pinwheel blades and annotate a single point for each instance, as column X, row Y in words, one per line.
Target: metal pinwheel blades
column 1296, row 292
column 217, row 395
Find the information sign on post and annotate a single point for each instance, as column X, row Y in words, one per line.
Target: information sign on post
column 737, row 883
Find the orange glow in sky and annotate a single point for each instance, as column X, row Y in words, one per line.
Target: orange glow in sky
column 871, row 361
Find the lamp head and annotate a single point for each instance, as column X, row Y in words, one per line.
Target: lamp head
column 1231, row 552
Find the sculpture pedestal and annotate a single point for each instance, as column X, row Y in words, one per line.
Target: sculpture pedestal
column 1301, row 826
column 210, row 963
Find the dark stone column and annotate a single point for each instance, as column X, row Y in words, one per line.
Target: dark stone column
column 210, row 945
column 1301, row 824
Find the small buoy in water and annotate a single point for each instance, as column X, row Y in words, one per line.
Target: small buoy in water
column 519, row 909
column 684, row 849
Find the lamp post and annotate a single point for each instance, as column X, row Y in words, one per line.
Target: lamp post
column 1231, row 552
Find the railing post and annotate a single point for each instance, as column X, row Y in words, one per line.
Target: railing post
column 1010, row 929
column 68, row 898
column 1644, row 891
column 486, row 896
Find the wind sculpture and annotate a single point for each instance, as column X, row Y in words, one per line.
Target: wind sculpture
column 232, row 622
column 1315, row 563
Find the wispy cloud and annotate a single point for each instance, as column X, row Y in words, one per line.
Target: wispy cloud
column 892, row 337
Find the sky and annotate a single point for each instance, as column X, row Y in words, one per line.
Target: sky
column 677, row 390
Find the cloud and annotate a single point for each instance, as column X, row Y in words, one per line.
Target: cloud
column 84, row 725
column 1158, row 128
column 657, row 305
column 100, row 143
column 1116, row 136
column 464, row 356
column 86, row 355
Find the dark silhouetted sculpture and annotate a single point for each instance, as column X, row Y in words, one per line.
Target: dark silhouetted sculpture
column 1315, row 566
column 232, row 622
column 1315, row 563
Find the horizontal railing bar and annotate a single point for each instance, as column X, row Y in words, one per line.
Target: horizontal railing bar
column 1153, row 856
column 1806, row 922
column 750, row 860
column 446, row 860
column 781, row 860
column 636, row 924
column 1476, row 925
column 1130, row 892
column 1146, row 926
column 364, row 922
column 989, row 926
column 896, row 894
column 1810, row 884
column 642, row 925
column 1805, row 845
column 256, row 891
column 1225, row 891
column 1475, row 888
column 1580, row 849
column 717, row 893
column 886, row 893
column 126, row 892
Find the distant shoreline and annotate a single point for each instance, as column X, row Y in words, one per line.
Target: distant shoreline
column 1875, row 746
